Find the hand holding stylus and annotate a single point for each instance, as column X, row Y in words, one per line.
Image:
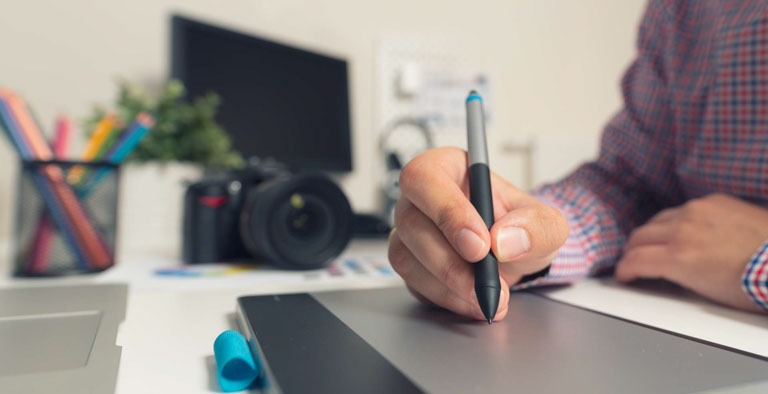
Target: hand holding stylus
column 438, row 232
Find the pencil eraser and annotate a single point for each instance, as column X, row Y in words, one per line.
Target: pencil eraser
column 235, row 365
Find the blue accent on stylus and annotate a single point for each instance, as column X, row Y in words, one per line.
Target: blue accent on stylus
column 474, row 96
column 236, row 367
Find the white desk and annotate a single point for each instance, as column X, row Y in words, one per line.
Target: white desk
column 171, row 323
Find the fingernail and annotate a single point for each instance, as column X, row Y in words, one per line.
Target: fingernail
column 470, row 245
column 512, row 242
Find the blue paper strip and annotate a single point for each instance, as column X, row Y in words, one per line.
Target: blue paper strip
column 236, row 368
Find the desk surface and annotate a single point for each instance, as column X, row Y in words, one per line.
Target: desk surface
column 168, row 334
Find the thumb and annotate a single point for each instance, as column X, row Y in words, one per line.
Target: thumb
column 529, row 232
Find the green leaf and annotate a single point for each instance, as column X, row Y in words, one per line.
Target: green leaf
column 185, row 129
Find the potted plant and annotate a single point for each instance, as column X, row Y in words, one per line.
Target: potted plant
column 185, row 140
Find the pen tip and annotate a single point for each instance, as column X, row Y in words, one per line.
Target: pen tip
column 490, row 321
column 488, row 300
column 473, row 91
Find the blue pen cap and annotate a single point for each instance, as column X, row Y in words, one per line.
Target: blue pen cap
column 235, row 365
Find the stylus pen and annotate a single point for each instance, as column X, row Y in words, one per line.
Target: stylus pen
column 487, row 284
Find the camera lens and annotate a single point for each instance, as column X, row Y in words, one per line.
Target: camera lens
column 305, row 216
column 296, row 222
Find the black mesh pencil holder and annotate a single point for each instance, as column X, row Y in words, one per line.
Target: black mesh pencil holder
column 67, row 218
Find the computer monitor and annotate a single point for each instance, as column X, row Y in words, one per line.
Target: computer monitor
column 278, row 101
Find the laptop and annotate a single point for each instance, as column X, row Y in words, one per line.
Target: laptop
column 60, row 339
column 384, row 341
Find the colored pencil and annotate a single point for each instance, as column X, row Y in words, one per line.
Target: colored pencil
column 98, row 137
column 40, row 248
column 13, row 134
column 131, row 138
column 61, row 137
column 109, row 142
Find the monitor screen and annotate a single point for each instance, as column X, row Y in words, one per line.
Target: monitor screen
column 278, row 101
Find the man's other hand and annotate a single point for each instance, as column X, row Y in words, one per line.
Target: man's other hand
column 703, row 245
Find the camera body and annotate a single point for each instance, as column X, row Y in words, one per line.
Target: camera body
column 267, row 214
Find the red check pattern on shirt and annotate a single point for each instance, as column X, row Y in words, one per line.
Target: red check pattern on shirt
column 694, row 122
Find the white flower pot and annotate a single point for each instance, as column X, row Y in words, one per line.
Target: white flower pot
column 150, row 208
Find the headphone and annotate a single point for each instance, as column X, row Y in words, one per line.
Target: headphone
column 398, row 148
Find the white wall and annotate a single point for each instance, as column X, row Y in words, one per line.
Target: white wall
column 555, row 64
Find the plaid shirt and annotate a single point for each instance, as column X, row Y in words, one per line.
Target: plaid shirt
column 694, row 122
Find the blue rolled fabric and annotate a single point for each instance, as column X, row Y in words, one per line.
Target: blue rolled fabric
column 235, row 365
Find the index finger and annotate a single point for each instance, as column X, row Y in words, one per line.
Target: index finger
column 436, row 183
column 433, row 182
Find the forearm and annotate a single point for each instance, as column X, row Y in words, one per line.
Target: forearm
column 634, row 175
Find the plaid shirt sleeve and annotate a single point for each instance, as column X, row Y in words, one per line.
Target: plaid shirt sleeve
column 633, row 177
column 755, row 279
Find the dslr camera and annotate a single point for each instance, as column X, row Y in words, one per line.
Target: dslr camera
column 265, row 213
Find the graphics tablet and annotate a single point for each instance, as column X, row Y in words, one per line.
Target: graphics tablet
column 384, row 341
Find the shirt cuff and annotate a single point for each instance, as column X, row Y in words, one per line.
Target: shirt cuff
column 570, row 262
column 755, row 278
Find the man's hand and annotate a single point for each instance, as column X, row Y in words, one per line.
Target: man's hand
column 438, row 231
column 703, row 245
